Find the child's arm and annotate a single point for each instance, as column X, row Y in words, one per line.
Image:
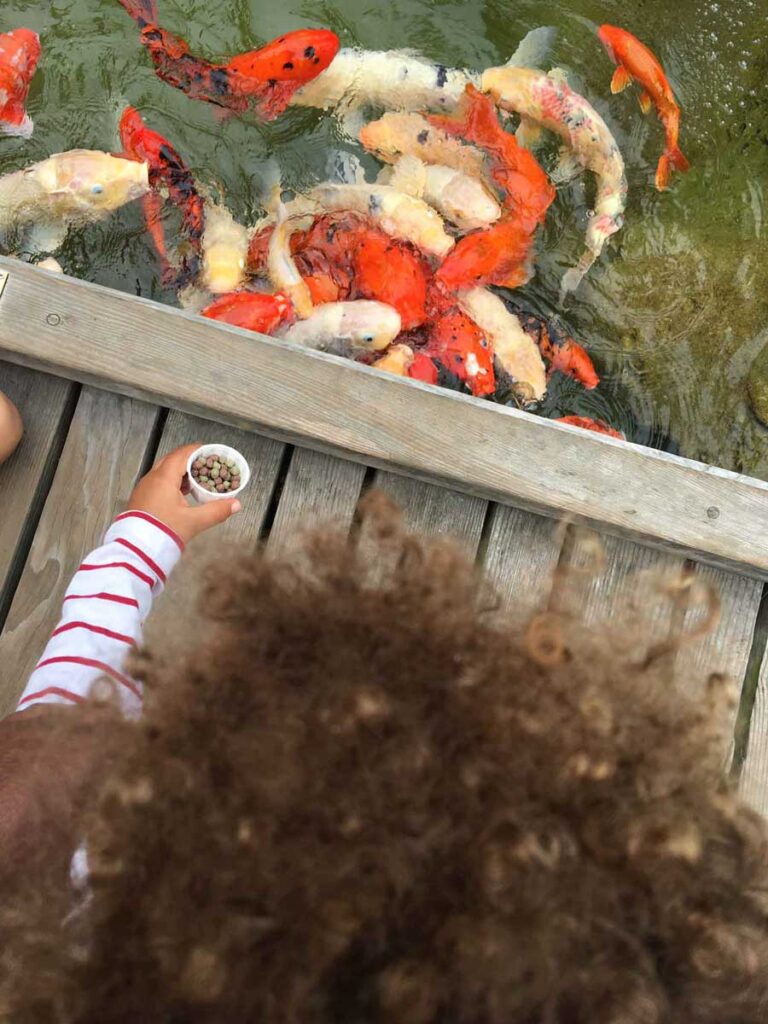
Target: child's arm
column 11, row 427
column 111, row 594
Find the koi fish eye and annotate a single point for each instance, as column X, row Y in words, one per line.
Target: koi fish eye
column 97, row 189
column 369, row 338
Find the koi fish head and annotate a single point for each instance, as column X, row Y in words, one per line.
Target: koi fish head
column 371, row 326
column 90, row 182
column 610, row 37
column 511, row 88
column 296, row 57
column 20, row 51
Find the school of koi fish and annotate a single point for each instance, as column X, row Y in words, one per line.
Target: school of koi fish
column 399, row 272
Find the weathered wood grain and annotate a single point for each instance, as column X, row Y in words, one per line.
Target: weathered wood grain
column 318, row 488
column 264, row 456
column 89, row 333
column 753, row 780
column 726, row 648
column 436, row 510
column 520, row 558
column 45, row 405
column 103, row 455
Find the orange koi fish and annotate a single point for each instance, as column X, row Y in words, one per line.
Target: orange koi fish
column 19, row 53
column 597, row 426
column 559, row 350
column 254, row 311
column 635, row 61
column 265, row 79
column 166, row 170
column 423, row 368
column 527, row 189
column 458, row 344
column 499, row 256
column 391, row 272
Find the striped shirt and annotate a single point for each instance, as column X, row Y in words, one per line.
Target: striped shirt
column 103, row 614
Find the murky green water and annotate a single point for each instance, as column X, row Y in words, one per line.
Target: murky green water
column 675, row 314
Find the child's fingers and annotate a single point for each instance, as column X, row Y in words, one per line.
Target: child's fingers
column 216, row 512
column 173, row 466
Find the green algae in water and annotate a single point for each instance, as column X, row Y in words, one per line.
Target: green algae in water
column 676, row 312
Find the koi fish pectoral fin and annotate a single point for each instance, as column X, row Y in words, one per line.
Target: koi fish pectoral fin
column 528, row 134
column 621, row 79
column 568, row 167
column 646, row 103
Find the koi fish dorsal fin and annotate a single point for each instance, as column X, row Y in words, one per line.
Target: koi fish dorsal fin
column 646, row 103
column 534, row 49
column 621, row 79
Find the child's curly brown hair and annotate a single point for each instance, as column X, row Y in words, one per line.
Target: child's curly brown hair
column 361, row 797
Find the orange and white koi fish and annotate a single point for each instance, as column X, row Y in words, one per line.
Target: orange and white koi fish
column 265, row 79
column 635, row 61
column 546, row 100
column 461, row 347
column 596, row 426
column 19, row 53
column 515, row 353
column 281, row 268
column 460, row 199
column 524, row 183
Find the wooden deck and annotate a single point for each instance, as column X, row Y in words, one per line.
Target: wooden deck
column 106, row 382
column 85, row 447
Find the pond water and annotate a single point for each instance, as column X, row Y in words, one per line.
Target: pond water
column 676, row 312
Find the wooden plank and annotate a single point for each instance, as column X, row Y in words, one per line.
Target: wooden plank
column 45, row 405
column 436, row 510
column 725, row 648
column 103, row 455
column 318, row 488
column 520, row 559
column 264, row 456
column 753, row 781
column 94, row 334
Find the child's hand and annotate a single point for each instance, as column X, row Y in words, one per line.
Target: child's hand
column 160, row 494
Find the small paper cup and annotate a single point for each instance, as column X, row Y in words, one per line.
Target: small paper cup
column 203, row 497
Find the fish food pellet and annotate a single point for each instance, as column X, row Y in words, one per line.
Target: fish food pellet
column 216, row 473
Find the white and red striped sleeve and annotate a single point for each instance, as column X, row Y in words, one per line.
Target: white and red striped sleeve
column 103, row 615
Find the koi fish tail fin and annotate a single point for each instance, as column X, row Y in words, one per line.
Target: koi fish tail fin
column 16, row 122
column 672, row 158
column 142, row 11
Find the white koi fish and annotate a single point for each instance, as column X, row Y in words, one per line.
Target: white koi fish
column 225, row 251
column 458, row 198
column 401, row 79
column 348, row 328
column 281, row 267
column 546, row 100
column 515, row 352
column 68, row 189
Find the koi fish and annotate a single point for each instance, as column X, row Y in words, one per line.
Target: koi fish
column 281, row 268
column 167, row 171
column 398, row 215
column 514, row 351
column 400, row 79
column 546, row 100
column 499, row 256
column 635, row 61
column 559, row 350
column 398, row 359
column 225, row 251
column 351, row 328
column 597, row 426
column 19, row 53
column 253, row 311
column 75, row 188
column 458, row 198
column 423, row 368
column 391, row 272
column 458, row 344
column 527, row 189
column 265, row 79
